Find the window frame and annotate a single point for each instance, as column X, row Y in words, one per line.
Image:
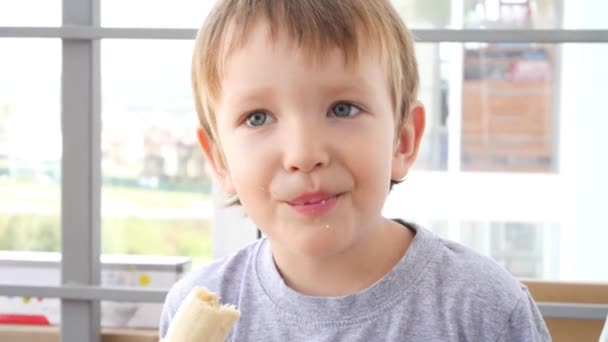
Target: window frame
column 80, row 34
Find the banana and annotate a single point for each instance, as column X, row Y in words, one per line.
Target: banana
column 201, row 318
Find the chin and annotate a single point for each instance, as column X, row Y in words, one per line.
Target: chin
column 321, row 245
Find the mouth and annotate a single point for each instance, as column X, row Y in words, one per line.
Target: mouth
column 312, row 198
column 314, row 204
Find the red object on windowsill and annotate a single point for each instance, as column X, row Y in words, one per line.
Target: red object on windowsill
column 24, row 319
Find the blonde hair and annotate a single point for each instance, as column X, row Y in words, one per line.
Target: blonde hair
column 316, row 26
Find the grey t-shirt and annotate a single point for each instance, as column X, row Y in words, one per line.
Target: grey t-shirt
column 439, row 291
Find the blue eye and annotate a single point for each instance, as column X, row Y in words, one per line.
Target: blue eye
column 257, row 119
column 344, row 110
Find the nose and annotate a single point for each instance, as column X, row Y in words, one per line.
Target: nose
column 305, row 147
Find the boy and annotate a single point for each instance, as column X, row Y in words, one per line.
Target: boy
column 309, row 115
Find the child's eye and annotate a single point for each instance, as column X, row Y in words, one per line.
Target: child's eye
column 257, row 119
column 344, row 110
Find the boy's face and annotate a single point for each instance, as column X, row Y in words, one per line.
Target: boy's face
column 309, row 148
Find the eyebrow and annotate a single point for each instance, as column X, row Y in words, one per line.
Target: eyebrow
column 250, row 95
column 359, row 86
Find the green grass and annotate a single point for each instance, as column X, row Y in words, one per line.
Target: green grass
column 131, row 235
column 49, row 196
column 37, row 226
column 29, row 232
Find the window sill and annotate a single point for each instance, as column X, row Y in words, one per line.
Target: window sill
column 27, row 333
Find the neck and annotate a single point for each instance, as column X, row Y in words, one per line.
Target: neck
column 355, row 269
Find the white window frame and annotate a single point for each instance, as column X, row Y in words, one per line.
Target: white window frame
column 80, row 290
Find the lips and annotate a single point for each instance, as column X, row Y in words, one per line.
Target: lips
column 312, row 198
column 314, row 204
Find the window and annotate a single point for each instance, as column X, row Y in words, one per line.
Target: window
column 156, row 196
column 30, row 145
column 518, row 14
column 511, row 164
column 514, row 159
column 20, row 13
column 425, row 14
column 157, row 13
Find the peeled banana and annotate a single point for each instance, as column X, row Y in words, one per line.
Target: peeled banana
column 201, row 318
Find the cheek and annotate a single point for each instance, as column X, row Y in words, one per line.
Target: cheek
column 370, row 163
column 251, row 174
column 249, row 164
column 372, row 148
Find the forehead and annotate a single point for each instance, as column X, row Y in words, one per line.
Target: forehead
column 311, row 30
column 263, row 54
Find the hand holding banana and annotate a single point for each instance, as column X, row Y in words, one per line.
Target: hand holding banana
column 201, row 318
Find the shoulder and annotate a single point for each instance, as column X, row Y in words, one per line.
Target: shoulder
column 453, row 267
column 467, row 267
column 525, row 323
column 483, row 294
column 222, row 276
column 475, row 279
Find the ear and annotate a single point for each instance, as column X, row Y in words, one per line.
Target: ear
column 407, row 141
column 215, row 159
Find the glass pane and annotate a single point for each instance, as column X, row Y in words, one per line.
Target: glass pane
column 546, row 222
column 140, row 272
column 424, row 14
column 155, row 13
column 44, row 269
column 30, row 13
column 156, row 196
column 508, row 95
column 527, row 250
column 493, row 14
column 511, row 14
column 30, row 145
column 585, row 14
column 434, row 68
column 190, row 13
column 32, row 311
column 29, row 269
column 583, row 160
column 535, row 14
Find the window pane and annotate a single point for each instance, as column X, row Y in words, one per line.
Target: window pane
column 494, row 14
column 502, row 100
column 535, row 14
column 583, row 160
column 30, row 145
column 191, row 13
column 424, row 14
column 156, row 196
column 527, row 250
column 44, row 269
column 511, row 14
column 30, row 13
column 29, row 269
column 508, row 95
column 541, row 223
column 156, row 13
column 434, row 67
column 585, row 14
column 140, row 272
